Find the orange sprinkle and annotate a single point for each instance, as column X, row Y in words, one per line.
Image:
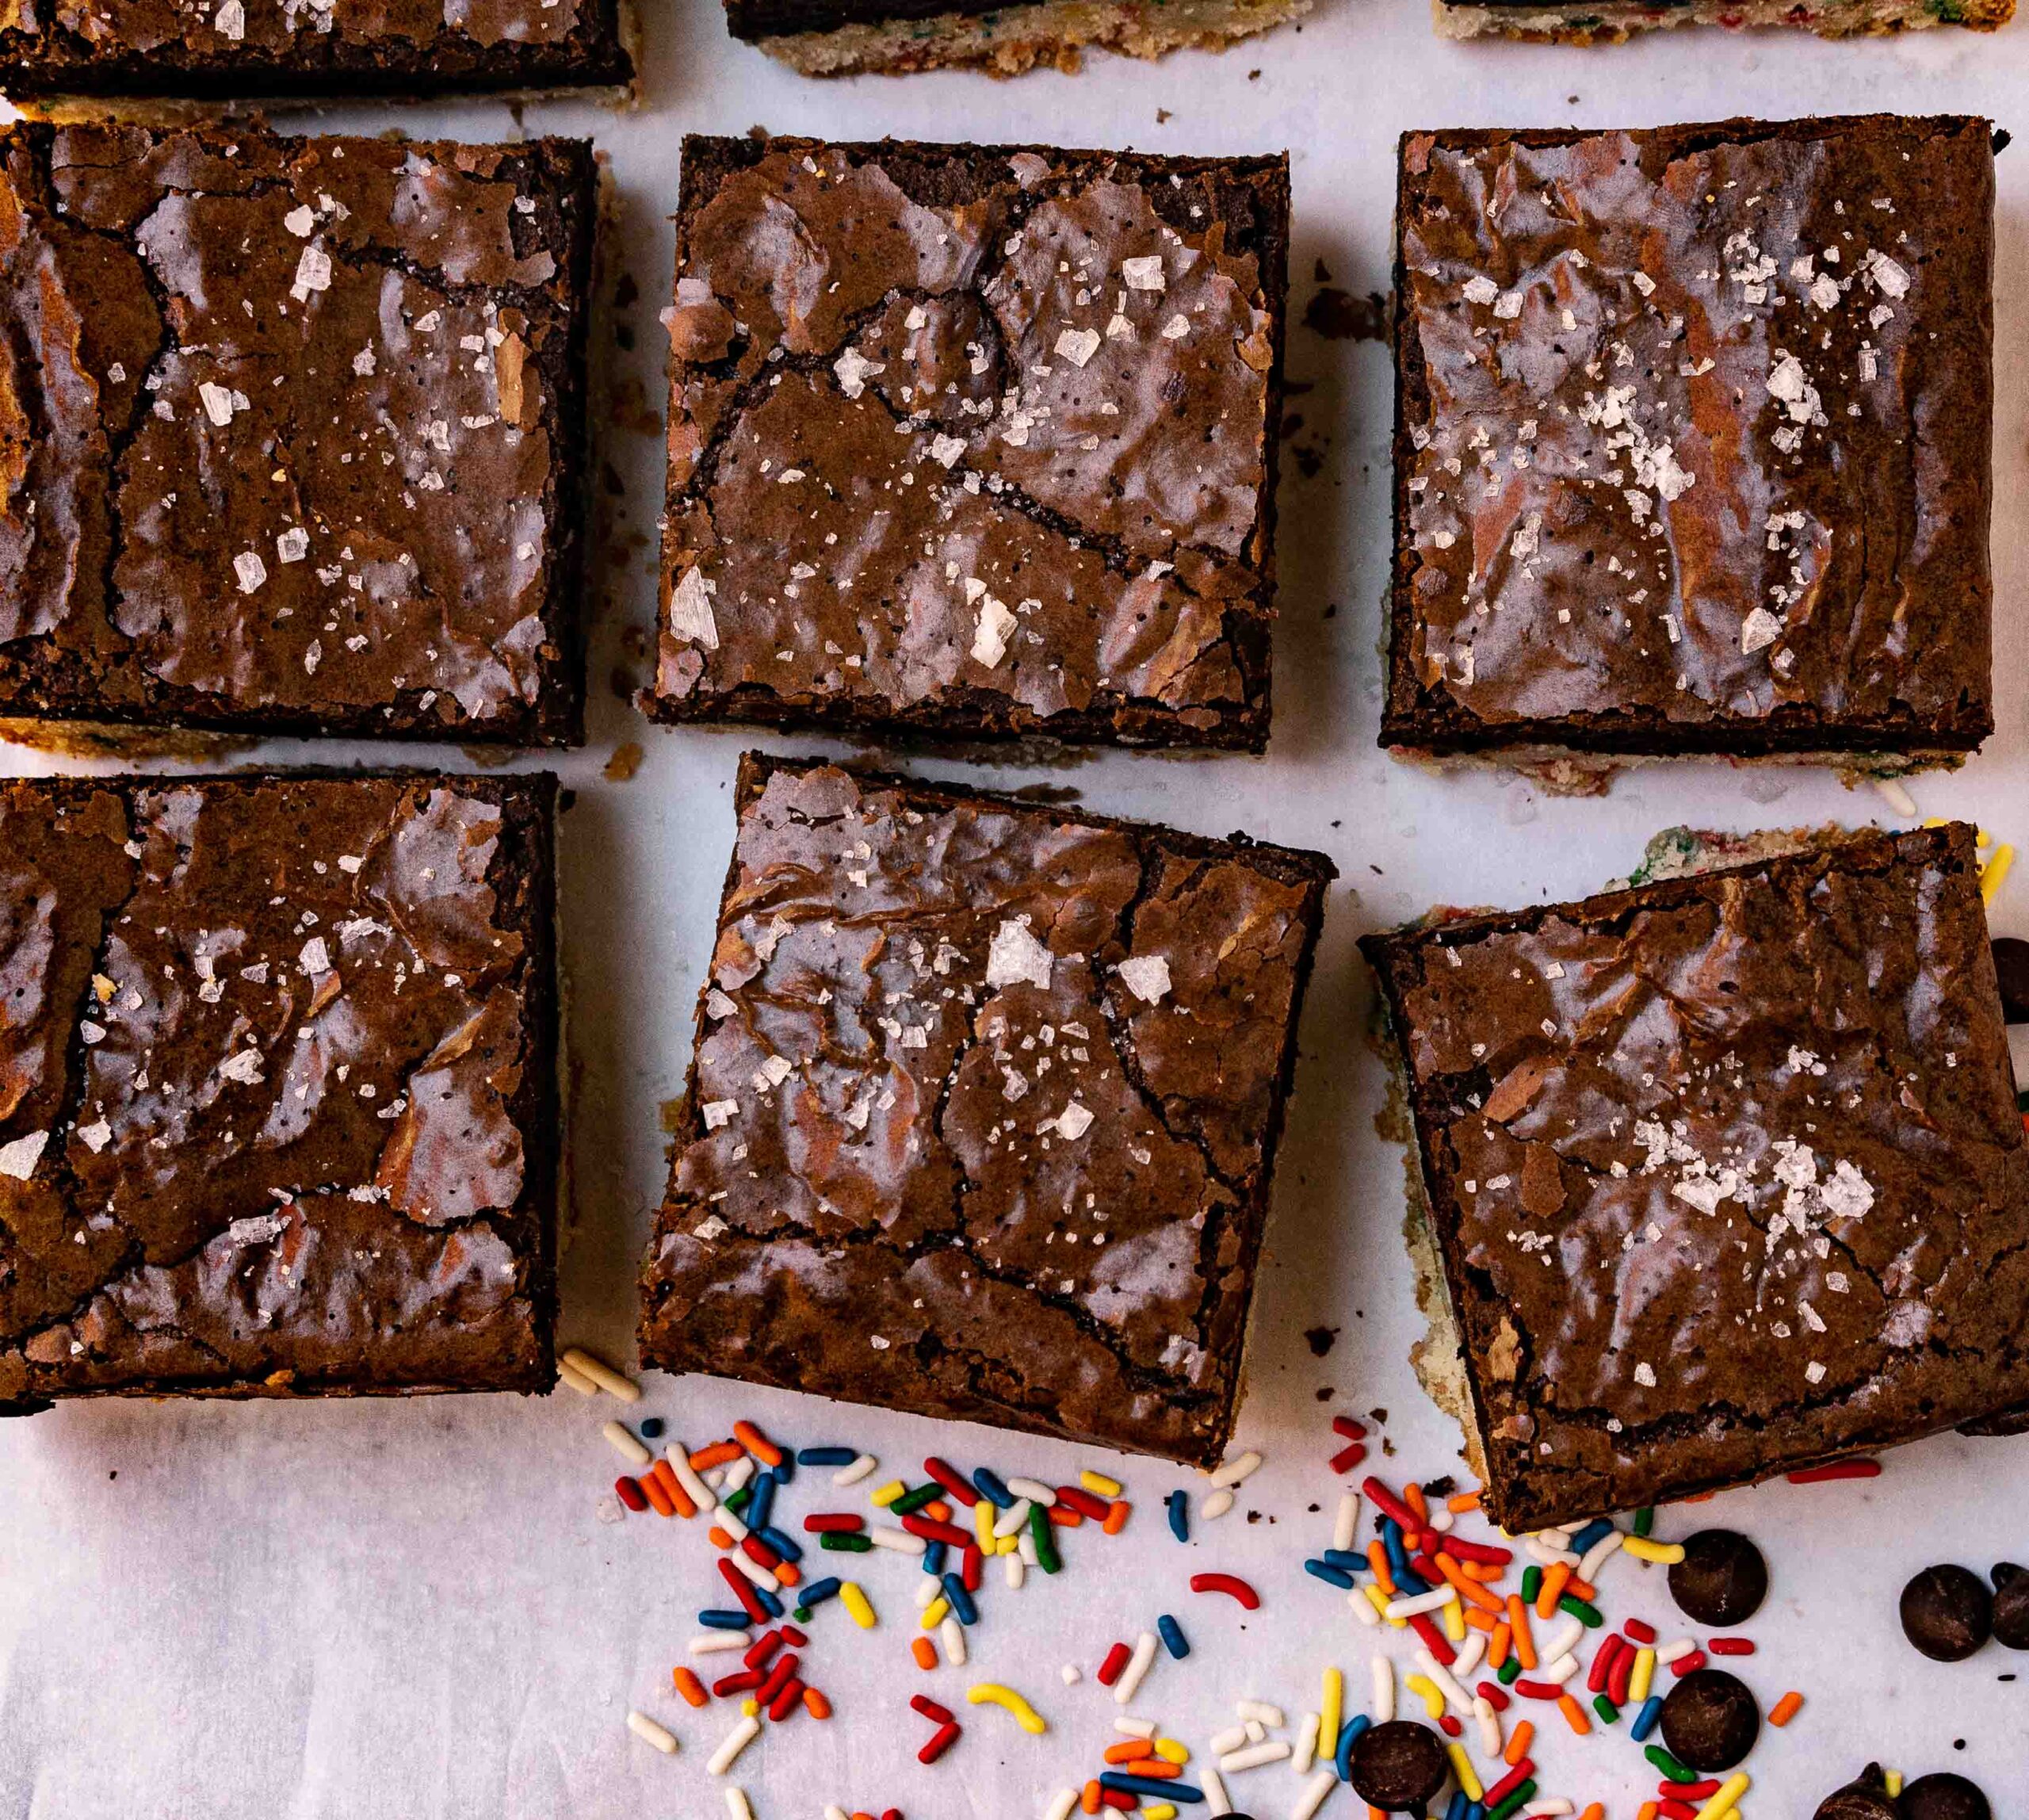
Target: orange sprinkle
column 1118, row 1513
column 1126, row 1751
column 1412, row 1495
column 1462, row 1501
column 718, row 1537
column 937, row 1510
column 688, row 1684
column 757, row 1444
column 651, row 1488
column 1519, row 1742
column 1062, row 1516
column 1581, row 1589
column 718, row 1454
column 1483, row 1571
column 1088, row 1801
column 1593, row 1810
column 788, row 1573
column 1524, row 1637
column 1785, row 1709
column 1574, row 1714
column 925, row 1652
column 1697, row 1497
column 1485, row 1621
column 1468, row 1590
column 1155, row 1769
column 1377, row 1558
column 1648, row 1811
column 815, row 1704
column 664, row 1474
column 1556, row 1577
column 1499, row 1644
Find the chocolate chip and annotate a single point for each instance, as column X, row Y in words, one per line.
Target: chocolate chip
column 1944, row 1797
column 1947, row 1612
column 1399, row 1767
column 2012, row 963
column 1710, row 1719
column 1865, row 1797
column 2010, row 1606
column 1721, row 1580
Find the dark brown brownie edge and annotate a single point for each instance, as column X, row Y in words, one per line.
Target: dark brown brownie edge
column 523, row 875
column 1253, row 201
column 63, row 62
column 1388, row 952
column 1423, row 720
column 1289, row 865
column 563, row 185
column 756, row 20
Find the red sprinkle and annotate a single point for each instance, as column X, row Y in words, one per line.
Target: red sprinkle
column 1347, row 1458
column 941, row 1741
column 1603, row 1658
column 1229, row 1583
column 929, row 1709
column 1686, row 1664
column 779, row 1677
column 823, row 1522
column 1349, row 1428
column 755, row 1550
column 1452, row 1727
column 1388, row 1503
column 1494, row 1694
column 761, row 1652
column 1435, row 1640
column 737, row 1683
column 1478, row 1551
column 1621, row 1676
column 1077, row 1498
column 1641, row 1633
column 1676, row 1810
column 791, row 1635
column 1117, row 1798
column 1539, row 1691
column 1731, row 1646
column 1689, row 1790
column 947, row 1477
column 1838, row 1469
column 971, row 1567
column 1509, row 1783
column 787, row 1700
column 743, row 1592
column 630, row 1493
column 1117, row 1658
column 930, row 1529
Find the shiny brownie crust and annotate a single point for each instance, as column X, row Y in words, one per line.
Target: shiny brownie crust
column 1693, row 435
column 238, row 49
column 1724, row 1170
column 974, row 441
column 279, row 1088
column 983, row 1111
column 291, row 431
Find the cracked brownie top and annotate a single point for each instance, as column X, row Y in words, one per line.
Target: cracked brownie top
column 277, row 1094
column 1693, row 434
column 974, row 440
column 290, row 430
column 1725, row 1172
column 983, row 1108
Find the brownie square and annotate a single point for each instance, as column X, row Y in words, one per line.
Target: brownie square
column 1721, row 1172
column 280, row 1086
column 973, row 441
column 235, row 50
column 1693, row 435
column 984, row 1110
column 291, row 431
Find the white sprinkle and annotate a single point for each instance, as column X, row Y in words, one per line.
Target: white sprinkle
column 1273, row 1750
column 1383, row 1689
column 857, row 1471
column 1216, row 1506
column 1315, row 1792
column 624, row 1444
column 952, row 1634
column 1237, row 1471
column 646, row 1729
column 602, row 1374
column 1217, row 1802
column 736, row 1741
column 719, row 1642
column 1346, row 1522
column 1131, row 1677
column 738, row 1806
column 1306, row 1744
column 1128, row 1726
column 1260, row 1711
column 694, row 1488
column 899, row 1540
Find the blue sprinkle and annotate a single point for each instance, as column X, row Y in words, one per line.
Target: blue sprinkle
column 1408, row 1582
column 962, row 1608
column 781, row 1543
column 1351, row 1559
column 785, row 1468
column 1330, row 1575
column 770, row 1603
column 1645, row 1721
column 651, row 1427
column 1476, row 1811
column 722, row 1620
column 1455, row 1809
column 990, row 1488
column 818, row 1591
column 825, row 1456
column 933, row 1557
column 1177, row 1504
column 1583, row 1539
column 762, row 1503
column 1171, row 1633
column 1148, row 1786
column 1349, row 1735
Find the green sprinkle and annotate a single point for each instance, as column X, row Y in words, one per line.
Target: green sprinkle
column 1509, row 1671
column 1047, row 1558
column 910, row 1502
column 1532, row 1584
column 1608, row 1712
column 1575, row 1607
column 1645, row 1520
column 1668, row 1764
column 844, row 1542
column 738, row 1501
column 1511, row 1801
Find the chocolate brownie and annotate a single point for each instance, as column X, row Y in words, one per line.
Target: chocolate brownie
column 280, row 1086
column 1589, row 21
column 1693, row 435
column 974, row 441
column 1723, row 1172
column 984, row 1110
column 291, row 431
column 235, row 50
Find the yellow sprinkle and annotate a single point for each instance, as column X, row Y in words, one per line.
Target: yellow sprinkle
column 1894, row 1779
column 1007, row 1545
column 935, row 1612
column 1645, row 1671
column 1995, row 871
column 751, row 1707
column 1730, row 1791
column 1162, row 1810
column 1379, row 1602
column 1981, row 837
column 992, row 1693
column 1170, row 1751
column 1427, row 1689
column 856, row 1605
column 1663, row 1553
column 1329, row 1708
column 889, row 1492
column 983, row 1515
column 1462, row 1767
column 1098, row 1484
column 1453, row 1618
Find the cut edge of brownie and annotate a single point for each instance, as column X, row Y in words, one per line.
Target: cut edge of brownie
column 1288, row 865
column 1443, row 1363
column 524, row 869
column 1615, row 21
column 925, row 170
column 1417, row 726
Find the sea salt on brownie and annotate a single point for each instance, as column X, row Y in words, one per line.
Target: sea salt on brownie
column 974, row 441
column 1693, row 442
column 984, row 1111
column 1720, row 1173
